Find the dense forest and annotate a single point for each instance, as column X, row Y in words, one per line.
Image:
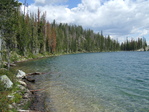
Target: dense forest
column 131, row 45
column 28, row 34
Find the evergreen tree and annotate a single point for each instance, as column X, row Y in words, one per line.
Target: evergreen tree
column 8, row 23
column 131, row 45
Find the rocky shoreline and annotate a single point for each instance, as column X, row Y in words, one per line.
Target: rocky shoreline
column 26, row 91
column 38, row 97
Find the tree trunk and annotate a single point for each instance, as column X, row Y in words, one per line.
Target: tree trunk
column 8, row 58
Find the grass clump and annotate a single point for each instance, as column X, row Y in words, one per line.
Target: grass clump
column 6, row 101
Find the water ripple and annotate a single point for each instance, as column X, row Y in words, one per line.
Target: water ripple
column 95, row 82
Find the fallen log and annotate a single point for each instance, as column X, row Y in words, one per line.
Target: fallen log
column 35, row 73
column 37, row 90
column 41, row 73
column 28, row 111
column 30, row 79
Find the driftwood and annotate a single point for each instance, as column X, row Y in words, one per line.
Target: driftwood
column 28, row 111
column 30, row 79
column 12, row 64
column 37, row 90
column 35, row 73
column 9, row 64
column 41, row 73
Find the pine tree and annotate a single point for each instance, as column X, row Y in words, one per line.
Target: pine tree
column 8, row 21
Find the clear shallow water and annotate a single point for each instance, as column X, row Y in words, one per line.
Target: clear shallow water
column 94, row 82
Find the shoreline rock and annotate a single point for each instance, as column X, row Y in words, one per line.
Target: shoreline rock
column 6, row 81
column 20, row 74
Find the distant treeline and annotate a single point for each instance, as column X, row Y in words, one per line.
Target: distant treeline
column 131, row 45
column 28, row 34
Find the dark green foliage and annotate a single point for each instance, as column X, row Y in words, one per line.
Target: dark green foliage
column 74, row 38
column 131, row 45
column 8, row 21
column 4, row 101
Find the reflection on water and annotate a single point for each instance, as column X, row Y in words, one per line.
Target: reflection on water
column 94, row 82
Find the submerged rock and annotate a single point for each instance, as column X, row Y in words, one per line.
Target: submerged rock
column 7, row 82
column 20, row 74
column 30, row 79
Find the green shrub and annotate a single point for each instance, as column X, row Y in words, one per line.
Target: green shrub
column 14, row 57
column 32, row 56
column 4, row 100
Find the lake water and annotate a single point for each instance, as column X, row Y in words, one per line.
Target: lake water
column 94, row 82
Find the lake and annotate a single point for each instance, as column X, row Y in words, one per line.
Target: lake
column 94, row 82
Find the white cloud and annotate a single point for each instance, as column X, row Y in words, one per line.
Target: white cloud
column 119, row 18
column 91, row 5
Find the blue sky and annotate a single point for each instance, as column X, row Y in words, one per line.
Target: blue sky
column 118, row 18
column 70, row 3
column 28, row 1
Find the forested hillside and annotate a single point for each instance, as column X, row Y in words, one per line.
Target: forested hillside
column 131, row 45
column 30, row 34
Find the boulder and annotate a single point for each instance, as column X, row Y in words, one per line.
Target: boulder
column 7, row 82
column 22, row 87
column 21, row 74
column 23, row 83
column 26, row 95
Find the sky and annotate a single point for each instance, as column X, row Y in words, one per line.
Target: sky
column 120, row 19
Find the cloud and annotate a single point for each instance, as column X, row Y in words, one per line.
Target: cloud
column 91, row 5
column 118, row 18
